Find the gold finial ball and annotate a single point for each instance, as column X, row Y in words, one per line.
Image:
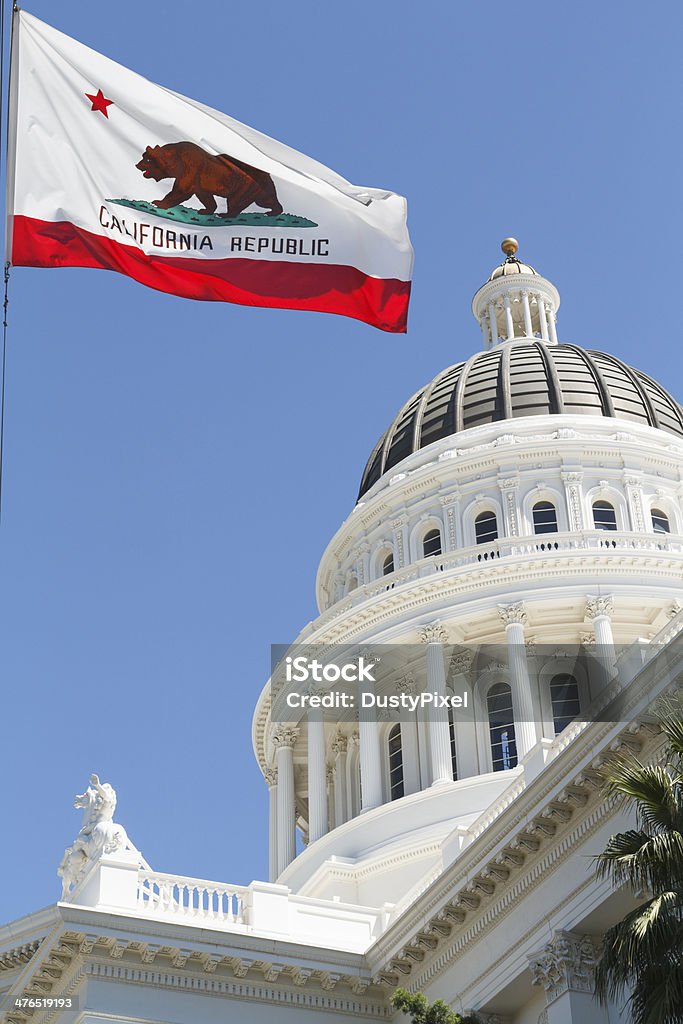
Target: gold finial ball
column 509, row 246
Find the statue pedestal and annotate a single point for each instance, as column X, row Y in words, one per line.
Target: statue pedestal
column 111, row 882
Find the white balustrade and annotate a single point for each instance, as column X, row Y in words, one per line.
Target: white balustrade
column 192, row 898
column 507, row 547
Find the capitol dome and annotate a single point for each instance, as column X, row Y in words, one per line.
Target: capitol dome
column 527, row 378
column 524, row 506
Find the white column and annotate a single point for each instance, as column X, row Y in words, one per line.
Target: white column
column 435, row 636
column 409, row 742
column 400, row 538
column 484, row 331
column 494, row 322
column 572, row 489
column 508, row 317
column 271, row 779
column 542, row 319
column 370, row 759
column 551, row 324
column 527, row 315
column 514, row 618
column 463, row 720
column 599, row 610
column 284, row 738
column 317, row 777
column 339, row 748
column 329, row 775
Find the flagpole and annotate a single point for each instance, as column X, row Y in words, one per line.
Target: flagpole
column 7, row 263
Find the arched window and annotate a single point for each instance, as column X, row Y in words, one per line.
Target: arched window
column 545, row 517
column 564, row 695
column 431, row 543
column 660, row 521
column 604, row 516
column 486, row 527
column 395, row 763
column 454, row 753
column 388, row 564
column 501, row 727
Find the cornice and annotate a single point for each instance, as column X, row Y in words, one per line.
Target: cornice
column 299, row 975
column 214, row 985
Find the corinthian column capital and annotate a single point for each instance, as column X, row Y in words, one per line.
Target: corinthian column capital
column 270, row 775
column 434, row 633
column 339, row 743
column 513, row 614
column 285, row 736
column 567, row 963
column 597, row 606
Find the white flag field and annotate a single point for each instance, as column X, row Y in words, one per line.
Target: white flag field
column 108, row 170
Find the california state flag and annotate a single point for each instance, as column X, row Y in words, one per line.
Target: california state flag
column 108, row 170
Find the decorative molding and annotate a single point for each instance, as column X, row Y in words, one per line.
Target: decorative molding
column 258, row 990
column 461, row 662
column 339, row 744
column 566, row 964
column 406, row 684
column 270, row 775
column 271, row 971
column 433, row 633
column 240, row 967
column 19, row 955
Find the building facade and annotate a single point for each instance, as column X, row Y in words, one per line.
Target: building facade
column 518, row 538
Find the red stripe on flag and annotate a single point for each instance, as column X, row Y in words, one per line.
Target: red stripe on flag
column 323, row 288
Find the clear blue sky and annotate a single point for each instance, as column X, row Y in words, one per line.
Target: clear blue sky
column 175, row 469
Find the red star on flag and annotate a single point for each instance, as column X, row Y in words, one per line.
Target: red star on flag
column 99, row 102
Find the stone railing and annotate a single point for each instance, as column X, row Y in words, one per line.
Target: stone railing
column 548, row 544
column 120, row 882
column 193, row 898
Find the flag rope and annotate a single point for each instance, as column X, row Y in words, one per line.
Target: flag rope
column 7, row 265
column 4, row 370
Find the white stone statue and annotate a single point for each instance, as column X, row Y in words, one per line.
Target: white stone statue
column 99, row 834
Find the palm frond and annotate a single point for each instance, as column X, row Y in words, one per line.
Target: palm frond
column 648, row 936
column 643, row 861
column 651, row 788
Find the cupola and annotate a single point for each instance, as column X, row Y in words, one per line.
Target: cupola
column 516, row 303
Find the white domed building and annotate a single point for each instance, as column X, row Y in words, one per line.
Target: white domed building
column 519, row 536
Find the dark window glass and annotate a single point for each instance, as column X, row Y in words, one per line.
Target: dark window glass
column 353, row 583
column 486, row 527
column 395, row 763
column 388, row 565
column 660, row 521
column 501, row 727
column 564, row 694
column 604, row 516
column 454, row 753
column 545, row 517
column 431, row 545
